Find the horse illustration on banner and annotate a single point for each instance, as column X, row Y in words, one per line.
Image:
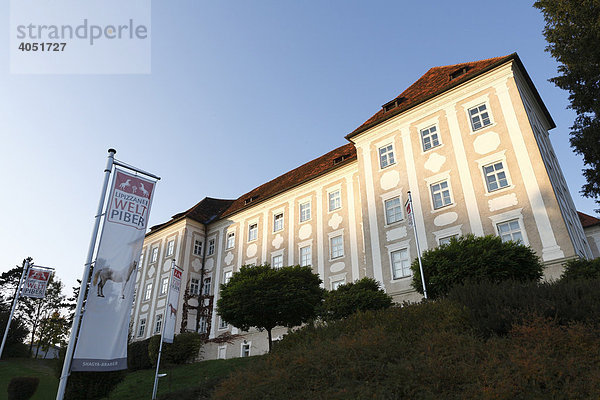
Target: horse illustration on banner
column 106, row 273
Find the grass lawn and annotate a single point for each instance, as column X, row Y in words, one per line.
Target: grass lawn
column 138, row 384
column 42, row 369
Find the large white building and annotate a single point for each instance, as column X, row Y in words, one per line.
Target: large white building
column 469, row 141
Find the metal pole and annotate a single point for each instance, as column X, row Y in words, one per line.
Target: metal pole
column 414, row 224
column 162, row 332
column 14, row 305
column 66, row 370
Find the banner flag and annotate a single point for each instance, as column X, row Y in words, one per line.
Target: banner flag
column 102, row 340
column 36, row 282
column 171, row 313
column 409, row 212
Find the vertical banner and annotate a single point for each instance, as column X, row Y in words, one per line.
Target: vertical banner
column 409, row 212
column 171, row 312
column 36, row 282
column 102, row 340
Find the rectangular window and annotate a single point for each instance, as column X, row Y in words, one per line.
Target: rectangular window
column 393, row 210
column 211, row 247
column 222, row 352
column 154, row 256
column 194, row 287
column 202, row 324
column 245, row 350
column 400, row 264
column 170, row 247
column 142, row 327
column 305, row 256
column 440, row 193
column 278, row 261
column 479, row 117
column 386, row 156
column 207, row 286
column 495, row 176
column 164, row 285
column 430, row 138
column 158, row 325
column 230, row 240
column 446, row 240
column 305, row 211
column 510, row 230
column 227, row 276
column 222, row 324
column 337, row 246
column 198, row 247
column 252, row 232
column 337, row 284
column 148, row 292
column 335, row 200
column 278, row 222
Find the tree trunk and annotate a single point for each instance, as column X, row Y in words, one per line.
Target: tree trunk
column 270, row 339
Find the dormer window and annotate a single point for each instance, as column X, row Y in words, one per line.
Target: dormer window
column 392, row 104
column 250, row 200
column 340, row 159
column 458, row 72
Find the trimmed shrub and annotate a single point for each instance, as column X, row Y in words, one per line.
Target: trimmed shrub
column 185, row 348
column 137, row 355
column 582, row 269
column 22, row 388
column 362, row 295
column 471, row 258
column 92, row 385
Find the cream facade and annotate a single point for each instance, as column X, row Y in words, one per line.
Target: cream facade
column 475, row 157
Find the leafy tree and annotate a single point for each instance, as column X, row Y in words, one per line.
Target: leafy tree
column 362, row 295
column 573, row 33
column 471, row 258
column 264, row 297
column 582, row 269
column 53, row 332
column 14, row 346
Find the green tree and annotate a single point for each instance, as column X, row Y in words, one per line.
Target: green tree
column 573, row 33
column 471, row 258
column 264, row 297
column 15, row 346
column 582, row 269
column 362, row 295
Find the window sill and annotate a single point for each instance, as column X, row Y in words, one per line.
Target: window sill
column 483, row 128
column 337, row 258
column 386, row 167
column 444, row 208
column 501, row 190
column 394, row 224
column 424, row 152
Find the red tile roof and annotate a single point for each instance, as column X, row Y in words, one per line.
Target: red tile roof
column 438, row 80
column 304, row 173
column 587, row 220
column 207, row 210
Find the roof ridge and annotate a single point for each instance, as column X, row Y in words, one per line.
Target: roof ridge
column 469, row 62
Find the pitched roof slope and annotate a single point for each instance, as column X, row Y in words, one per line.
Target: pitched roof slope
column 587, row 220
column 304, row 173
column 438, row 80
column 207, row 210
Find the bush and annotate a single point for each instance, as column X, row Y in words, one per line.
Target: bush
column 22, row 388
column 92, row 385
column 582, row 269
column 137, row 355
column 185, row 348
column 495, row 307
column 471, row 258
column 14, row 346
column 362, row 295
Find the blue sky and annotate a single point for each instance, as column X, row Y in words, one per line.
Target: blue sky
column 240, row 92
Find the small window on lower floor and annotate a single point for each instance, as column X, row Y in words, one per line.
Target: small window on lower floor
column 336, row 284
column 446, row 240
column 222, row 323
column 142, row 327
column 202, row 324
column 277, row 261
column 245, row 350
column 510, row 230
column 222, row 352
column 400, row 264
column 158, row 323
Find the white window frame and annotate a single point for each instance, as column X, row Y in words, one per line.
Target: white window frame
column 509, row 216
column 164, row 285
column 158, row 323
column 274, row 264
column 206, row 286
column 247, row 344
column 142, row 327
column 252, row 231
column 202, row 324
column 394, row 277
column 194, row 286
column 338, row 279
column 278, row 224
column 300, row 211
column 170, row 247
column 432, row 194
column 430, row 135
column 511, row 231
column 337, row 254
column 337, row 201
column 222, row 350
column 300, row 256
column 495, row 174
column 154, row 256
column 222, row 324
column 337, row 283
column 230, row 240
column 148, row 292
column 387, row 153
column 493, row 159
column 447, row 232
column 211, row 246
column 198, row 247
column 141, row 262
column 484, row 99
column 227, row 276
column 385, row 210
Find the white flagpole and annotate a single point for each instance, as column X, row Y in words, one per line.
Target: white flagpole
column 66, row 370
column 414, row 225
column 14, row 305
column 162, row 332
